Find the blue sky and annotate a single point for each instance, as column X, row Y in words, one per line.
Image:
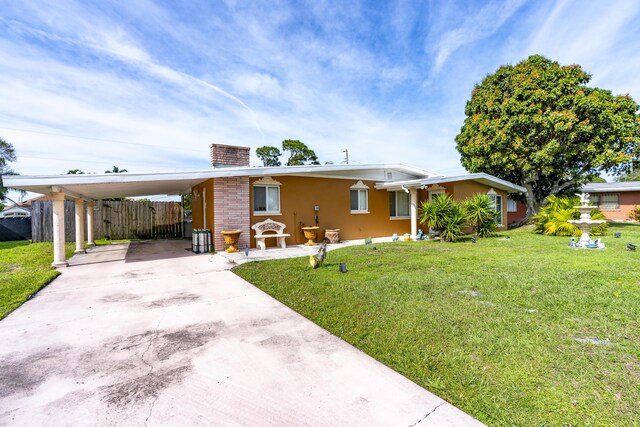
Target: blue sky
column 148, row 85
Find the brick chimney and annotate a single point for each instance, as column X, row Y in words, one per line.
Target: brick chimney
column 229, row 155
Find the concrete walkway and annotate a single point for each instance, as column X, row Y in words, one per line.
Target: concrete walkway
column 150, row 334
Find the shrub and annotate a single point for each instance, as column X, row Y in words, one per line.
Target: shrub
column 481, row 215
column 444, row 215
column 634, row 215
column 553, row 218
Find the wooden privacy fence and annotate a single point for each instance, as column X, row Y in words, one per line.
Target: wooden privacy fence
column 114, row 220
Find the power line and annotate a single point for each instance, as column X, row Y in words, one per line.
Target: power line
column 99, row 139
column 97, row 162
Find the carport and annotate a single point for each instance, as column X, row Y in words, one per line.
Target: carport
column 89, row 188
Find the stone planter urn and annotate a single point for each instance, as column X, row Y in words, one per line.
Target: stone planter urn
column 310, row 235
column 332, row 236
column 231, row 238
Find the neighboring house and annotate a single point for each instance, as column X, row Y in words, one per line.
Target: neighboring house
column 516, row 211
column 616, row 200
column 15, row 212
column 362, row 201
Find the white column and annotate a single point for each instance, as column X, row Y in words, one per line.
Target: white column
column 80, row 226
column 413, row 192
column 58, row 230
column 90, row 241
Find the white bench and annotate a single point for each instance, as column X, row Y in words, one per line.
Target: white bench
column 272, row 229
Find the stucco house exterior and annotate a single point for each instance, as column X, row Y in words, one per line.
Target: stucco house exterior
column 362, row 200
column 616, row 200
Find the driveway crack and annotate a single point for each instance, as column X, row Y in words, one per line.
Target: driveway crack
column 152, row 342
column 428, row 413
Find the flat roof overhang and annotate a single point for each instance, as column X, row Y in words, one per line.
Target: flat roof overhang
column 483, row 178
column 107, row 186
column 112, row 185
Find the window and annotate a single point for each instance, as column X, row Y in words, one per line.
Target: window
column 399, row 204
column 359, row 197
column 512, row 205
column 359, row 201
column 606, row 201
column 497, row 204
column 266, row 199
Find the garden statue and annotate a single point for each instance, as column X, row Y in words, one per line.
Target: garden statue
column 584, row 198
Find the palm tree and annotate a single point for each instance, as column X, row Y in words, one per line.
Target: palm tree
column 116, row 169
column 445, row 215
column 481, row 215
column 554, row 216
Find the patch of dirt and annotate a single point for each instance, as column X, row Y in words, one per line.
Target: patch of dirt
column 20, row 375
column 178, row 299
column 279, row 341
column 194, row 336
column 132, row 368
column 121, row 297
column 142, row 388
column 470, row 293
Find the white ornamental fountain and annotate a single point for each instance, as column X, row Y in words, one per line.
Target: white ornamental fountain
column 585, row 223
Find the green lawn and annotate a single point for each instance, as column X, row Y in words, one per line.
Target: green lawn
column 515, row 332
column 25, row 268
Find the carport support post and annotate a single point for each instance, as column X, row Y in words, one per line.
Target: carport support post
column 90, row 241
column 57, row 200
column 413, row 192
column 80, row 226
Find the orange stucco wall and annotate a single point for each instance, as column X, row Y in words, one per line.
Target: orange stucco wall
column 466, row 189
column 298, row 195
column 628, row 201
column 196, row 204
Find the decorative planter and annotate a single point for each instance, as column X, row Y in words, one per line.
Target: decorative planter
column 310, row 235
column 332, row 236
column 231, row 238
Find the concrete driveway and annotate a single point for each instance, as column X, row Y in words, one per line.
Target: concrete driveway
column 150, row 334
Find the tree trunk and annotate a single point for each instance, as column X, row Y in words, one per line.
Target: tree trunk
column 533, row 206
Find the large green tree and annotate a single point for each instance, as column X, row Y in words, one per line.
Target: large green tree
column 7, row 155
column 631, row 176
column 269, row 155
column 299, row 153
column 539, row 125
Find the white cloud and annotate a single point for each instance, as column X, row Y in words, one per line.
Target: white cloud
column 477, row 26
column 258, row 73
column 600, row 36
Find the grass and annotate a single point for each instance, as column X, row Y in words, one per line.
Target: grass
column 102, row 242
column 503, row 329
column 25, row 268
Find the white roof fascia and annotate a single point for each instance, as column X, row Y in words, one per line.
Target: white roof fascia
column 492, row 180
column 608, row 187
column 16, row 181
column 316, row 170
column 397, row 185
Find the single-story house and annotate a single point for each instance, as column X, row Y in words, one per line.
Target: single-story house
column 362, row 200
column 616, row 200
column 15, row 212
